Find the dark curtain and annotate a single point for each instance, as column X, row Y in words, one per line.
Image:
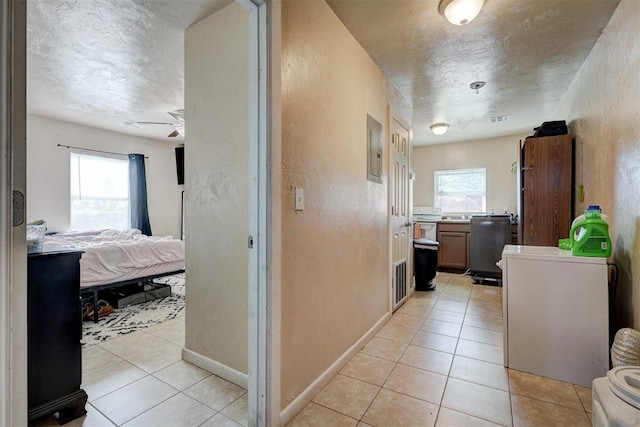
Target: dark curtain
column 138, row 194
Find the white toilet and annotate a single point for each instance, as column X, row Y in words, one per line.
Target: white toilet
column 616, row 398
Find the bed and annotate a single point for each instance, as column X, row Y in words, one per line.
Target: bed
column 115, row 258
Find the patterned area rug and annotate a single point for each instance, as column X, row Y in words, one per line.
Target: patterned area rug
column 135, row 317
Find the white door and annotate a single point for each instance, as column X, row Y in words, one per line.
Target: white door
column 399, row 211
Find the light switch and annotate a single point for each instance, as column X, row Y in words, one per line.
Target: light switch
column 299, row 195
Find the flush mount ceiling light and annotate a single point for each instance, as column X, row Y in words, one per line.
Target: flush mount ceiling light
column 460, row 12
column 439, row 128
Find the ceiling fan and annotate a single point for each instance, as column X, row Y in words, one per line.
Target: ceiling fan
column 178, row 115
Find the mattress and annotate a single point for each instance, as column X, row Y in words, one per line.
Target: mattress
column 112, row 256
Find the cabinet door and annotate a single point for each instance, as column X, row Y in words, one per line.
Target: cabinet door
column 547, row 198
column 55, row 326
column 452, row 251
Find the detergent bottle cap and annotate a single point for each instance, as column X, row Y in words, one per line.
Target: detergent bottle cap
column 593, row 211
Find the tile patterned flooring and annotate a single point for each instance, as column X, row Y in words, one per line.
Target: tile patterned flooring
column 139, row 380
column 438, row 361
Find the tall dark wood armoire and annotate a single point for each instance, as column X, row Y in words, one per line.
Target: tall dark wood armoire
column 546, row 190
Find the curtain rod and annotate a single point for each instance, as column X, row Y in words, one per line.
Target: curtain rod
column 95, row 151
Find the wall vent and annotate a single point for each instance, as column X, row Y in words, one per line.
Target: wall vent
column 503, row 118
column 400, row 282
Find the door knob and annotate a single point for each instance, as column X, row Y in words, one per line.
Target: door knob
column 407, row 224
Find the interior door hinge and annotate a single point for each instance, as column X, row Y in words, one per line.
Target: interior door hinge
column 250, row 242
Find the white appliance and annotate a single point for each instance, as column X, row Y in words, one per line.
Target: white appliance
column 616, row 398
column 555, row 313
column 425, row 222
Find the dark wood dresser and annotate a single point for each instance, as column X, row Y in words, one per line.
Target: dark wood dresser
column 54, row 319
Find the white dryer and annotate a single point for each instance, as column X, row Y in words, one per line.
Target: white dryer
column 616, row 398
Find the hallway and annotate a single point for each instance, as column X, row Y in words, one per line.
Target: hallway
column 438, row 361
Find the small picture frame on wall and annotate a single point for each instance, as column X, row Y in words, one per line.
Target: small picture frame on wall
column 374, row 150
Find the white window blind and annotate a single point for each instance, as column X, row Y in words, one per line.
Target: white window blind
column 99, row 192
column 461, row 190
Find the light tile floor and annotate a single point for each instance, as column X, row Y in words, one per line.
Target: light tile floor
column 139, row 380
column 438, row 361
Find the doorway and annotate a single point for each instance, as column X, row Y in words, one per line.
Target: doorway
column 13, row 378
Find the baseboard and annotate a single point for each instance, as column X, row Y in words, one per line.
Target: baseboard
column 238, row 378
column 292, row 409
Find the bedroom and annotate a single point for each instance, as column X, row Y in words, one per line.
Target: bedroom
column 68, row 119
column 49, row 198
column 48, row 166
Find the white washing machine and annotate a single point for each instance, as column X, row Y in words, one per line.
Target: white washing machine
column 555, row 313
column 616, row 398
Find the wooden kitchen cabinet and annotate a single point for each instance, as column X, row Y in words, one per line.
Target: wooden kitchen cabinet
column 453, row 251
column 546, row 198
column 455, row 242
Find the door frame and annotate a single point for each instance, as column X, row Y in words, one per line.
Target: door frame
column 393, row 115
column 263, row 398
column 13, row 253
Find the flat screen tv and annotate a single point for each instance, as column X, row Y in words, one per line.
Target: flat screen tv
column 180, row 164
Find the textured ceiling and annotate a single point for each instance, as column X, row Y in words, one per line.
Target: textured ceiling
column 103, row 62
column 527, row 51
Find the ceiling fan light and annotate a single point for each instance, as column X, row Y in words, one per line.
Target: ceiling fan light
column 439, row 128
column 460, row 12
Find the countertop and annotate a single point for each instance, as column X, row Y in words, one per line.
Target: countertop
column 459, row 220
column 455, row 221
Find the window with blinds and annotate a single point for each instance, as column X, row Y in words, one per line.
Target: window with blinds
column 99, row 192
column 461, row 190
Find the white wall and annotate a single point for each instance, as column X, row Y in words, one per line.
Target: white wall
column 48, row 172
column 603, row 111
column 496, row 155
column 217, row 192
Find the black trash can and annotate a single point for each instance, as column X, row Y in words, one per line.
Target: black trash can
column 425, row 261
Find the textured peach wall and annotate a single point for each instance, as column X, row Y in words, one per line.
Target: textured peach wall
column 334, row 253
column 602, row 106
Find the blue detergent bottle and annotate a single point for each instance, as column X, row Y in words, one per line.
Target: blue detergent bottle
column 590, row 234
